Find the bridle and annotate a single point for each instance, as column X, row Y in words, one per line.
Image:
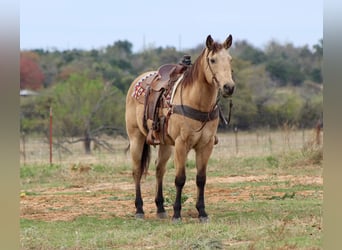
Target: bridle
column 214, row 80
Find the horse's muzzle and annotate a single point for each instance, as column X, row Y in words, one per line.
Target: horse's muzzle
column 228, row 90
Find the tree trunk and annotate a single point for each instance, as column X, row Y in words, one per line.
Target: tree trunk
column 87, row 142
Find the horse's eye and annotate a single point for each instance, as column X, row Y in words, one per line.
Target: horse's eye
column 212, row 60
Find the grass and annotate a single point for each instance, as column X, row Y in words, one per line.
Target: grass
column 245, row 225
column 266, row 201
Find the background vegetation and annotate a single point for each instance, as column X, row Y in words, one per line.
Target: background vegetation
column 279, row 84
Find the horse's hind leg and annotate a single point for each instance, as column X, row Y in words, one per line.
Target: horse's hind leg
column 140, row 158
column 164, row 154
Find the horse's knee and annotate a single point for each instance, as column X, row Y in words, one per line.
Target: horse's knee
column 200, row 181
column 180, row 181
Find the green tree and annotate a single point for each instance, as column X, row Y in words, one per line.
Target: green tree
column 34, row 114
column 85, row 108
column 285, row 72
column 319, row 48
column 245, row 51
column 310, row 113
column 244, row 110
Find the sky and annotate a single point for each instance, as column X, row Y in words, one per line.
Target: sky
column 183, row 24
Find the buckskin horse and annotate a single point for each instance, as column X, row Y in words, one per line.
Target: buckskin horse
column 177, row 106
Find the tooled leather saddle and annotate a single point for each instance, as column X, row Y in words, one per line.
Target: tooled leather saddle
column 157, row 88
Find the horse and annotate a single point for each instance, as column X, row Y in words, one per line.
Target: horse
column 208, row 78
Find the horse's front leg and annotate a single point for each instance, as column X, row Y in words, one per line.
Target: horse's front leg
column 180, row 155
column 202, row 158
column 164, row 154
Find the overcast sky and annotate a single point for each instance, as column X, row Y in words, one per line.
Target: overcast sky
column 81, row 24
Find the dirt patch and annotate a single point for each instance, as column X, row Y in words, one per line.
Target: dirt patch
column 117, row 199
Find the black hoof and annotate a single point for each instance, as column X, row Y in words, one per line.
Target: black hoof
column 162, row 215
column 204, row 219
column 139, row 216
column 176, row 220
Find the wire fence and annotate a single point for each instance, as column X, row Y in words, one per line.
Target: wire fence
column 35, row 149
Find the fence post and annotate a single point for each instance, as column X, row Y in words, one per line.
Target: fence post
column 303, row 136
column 24, row 146
column 50, row 137
column 318, row 133
column 270, row 140
column 236, row 140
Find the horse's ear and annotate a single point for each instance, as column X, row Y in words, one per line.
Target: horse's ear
column 228, row 42
column 210, row 42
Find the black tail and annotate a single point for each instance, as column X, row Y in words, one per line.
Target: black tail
column 145, row 158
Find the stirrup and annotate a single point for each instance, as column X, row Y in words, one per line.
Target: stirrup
column 150, row 139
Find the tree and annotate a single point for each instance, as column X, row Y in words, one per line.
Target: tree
column 285, row 72
column 316, row 72
column 87, row 108
column 288, row 64
column 247, row 52
column 31, row 76
column 310, row 113
column 244, row 108
column 34, row 114
column 319, row 48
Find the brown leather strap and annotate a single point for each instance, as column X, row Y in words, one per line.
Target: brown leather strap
column 196, row 114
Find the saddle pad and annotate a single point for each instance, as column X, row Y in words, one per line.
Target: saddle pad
column 175, row 86
column 139, row 88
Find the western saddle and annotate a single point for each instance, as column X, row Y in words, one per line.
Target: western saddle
column 158, row 88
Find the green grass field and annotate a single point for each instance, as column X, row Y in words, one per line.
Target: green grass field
column 270, row 198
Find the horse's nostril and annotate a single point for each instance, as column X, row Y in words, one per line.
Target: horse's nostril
column 228, row 89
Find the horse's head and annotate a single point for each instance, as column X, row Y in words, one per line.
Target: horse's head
column 218, row 69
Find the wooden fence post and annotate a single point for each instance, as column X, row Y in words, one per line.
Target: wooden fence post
column 270, row 140
column 318, row 133
column 50, row 137
column 236, row 140
column 24, row 146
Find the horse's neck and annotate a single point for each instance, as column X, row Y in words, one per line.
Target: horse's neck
column 200, row 95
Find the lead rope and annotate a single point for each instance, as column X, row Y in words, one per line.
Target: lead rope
column 222, row 118
column 230, row 110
